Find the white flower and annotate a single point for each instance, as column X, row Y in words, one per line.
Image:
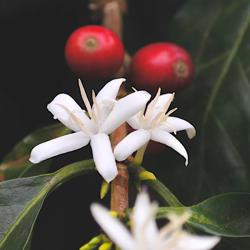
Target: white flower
column 104, row 117
column 144, row 232
column 154, row 124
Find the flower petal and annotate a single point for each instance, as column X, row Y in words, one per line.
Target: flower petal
column 113, row 227
column 131, row 143
column 125, row 108
column 157, row 106
column 143, row 219
column 161, row 102
column 58, row 146
column 194, row 242
column 134, row 121
column 174, row 124
column 110, row 90
column 169, row 140
column 62, row 106
column 103, row 156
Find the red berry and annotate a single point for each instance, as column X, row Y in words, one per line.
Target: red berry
column 94, row 52
column 164, row 65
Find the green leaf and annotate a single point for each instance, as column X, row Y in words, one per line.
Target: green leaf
column 21, row 200
column 17, row 164
column 217, row 34
column 224, row 215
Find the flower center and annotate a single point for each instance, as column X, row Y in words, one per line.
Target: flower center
column 155, row 115
column 95, row 111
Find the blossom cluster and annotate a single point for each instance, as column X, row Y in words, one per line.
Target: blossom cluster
column 150, row 121
column 145, row 234
column 97, row 122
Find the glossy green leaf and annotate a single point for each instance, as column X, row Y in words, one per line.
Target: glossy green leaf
column 224, row 215
column 217, row 34
column 17, row 164
column 21, row 200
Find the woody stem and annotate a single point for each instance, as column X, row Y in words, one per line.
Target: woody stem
column 119, row 186
column 112, row 19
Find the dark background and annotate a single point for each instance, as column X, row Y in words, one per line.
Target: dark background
column 33, row 71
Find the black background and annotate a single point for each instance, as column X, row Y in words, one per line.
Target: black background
column 33, row 71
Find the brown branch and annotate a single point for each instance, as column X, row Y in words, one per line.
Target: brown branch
column 112, row 11
column 119, row 190
column 112, row 17
column 119, row 186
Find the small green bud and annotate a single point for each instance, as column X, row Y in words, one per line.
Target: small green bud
column 140, row 154
column 92, row 243
column 105, row 246
column 114, row 214
column 147, row 176
column 86, row 247
column 104, row 189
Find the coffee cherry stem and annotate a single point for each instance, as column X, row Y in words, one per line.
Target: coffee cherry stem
column 112, row 19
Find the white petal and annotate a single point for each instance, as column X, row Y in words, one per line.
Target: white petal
column 104, row 108
column 60, row 108
column 134, row 121
column 176, row 124
column 159, row 106
column 58, row 146
column 103, row 156
column 110, row 90
column 193, row 242
column 116, row 231
column 143, row 219
column 131, row 143
column 125, row 108
column 161, row 102
column 169, row 140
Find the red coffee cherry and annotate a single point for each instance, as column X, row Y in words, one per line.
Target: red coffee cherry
column 164, row 65
column 94, row 52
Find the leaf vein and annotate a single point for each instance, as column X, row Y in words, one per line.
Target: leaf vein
column 226, row 67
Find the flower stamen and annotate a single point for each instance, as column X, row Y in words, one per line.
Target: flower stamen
column 170, row 112
column 152, row 103
column 85, row 98
column 175, row 223
column 95, row 108
column 166, row 107
column 75, row 119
